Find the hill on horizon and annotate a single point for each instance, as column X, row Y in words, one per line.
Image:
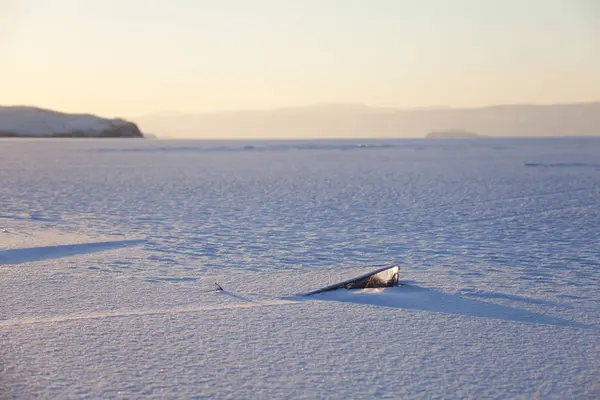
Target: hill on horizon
column 35, row 122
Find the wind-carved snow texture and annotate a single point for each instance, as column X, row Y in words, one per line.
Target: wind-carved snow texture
column 109, row 253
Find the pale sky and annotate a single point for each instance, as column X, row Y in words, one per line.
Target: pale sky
column 134, row 57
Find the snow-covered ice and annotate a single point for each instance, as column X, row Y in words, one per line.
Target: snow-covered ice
column 109, row 252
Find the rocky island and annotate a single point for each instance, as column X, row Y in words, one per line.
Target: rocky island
column 33, row 122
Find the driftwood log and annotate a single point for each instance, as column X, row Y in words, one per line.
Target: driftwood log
column 383, row 277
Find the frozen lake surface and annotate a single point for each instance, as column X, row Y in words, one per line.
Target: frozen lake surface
column 109, row 250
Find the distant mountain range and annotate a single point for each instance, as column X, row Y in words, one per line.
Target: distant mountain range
column 21, row 121
column 318, row 121
column 453, row 134
column 360, row 121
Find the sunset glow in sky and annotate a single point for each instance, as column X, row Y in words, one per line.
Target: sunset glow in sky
column 134, row 57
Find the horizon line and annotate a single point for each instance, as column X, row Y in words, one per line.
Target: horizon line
column 331, row 104
column 362, row 105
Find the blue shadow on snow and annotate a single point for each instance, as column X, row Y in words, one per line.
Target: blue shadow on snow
column 413, row 297
column 31, row 254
